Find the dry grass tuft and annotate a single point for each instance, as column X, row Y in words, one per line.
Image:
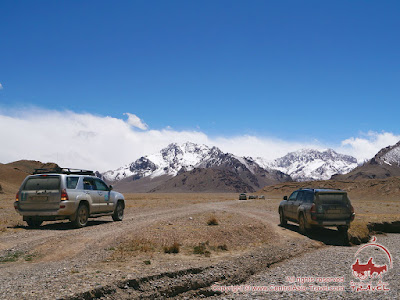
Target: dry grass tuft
column 223, row 247
column 212, row 221
column 202, row 249
column 174, row 248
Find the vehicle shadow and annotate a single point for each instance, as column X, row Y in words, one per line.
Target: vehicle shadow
column 61, row 226
column 328, row 236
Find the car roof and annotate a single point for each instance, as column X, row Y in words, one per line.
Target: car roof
column 321, row 190
column 58, row 174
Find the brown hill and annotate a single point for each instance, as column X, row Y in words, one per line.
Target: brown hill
column 371, row 189
column 205, row 180
column 28, row 166
column 12, row 174
column 386, row 163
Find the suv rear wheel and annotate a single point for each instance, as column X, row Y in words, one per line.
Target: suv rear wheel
column 82, row 215
column 282, row 219
column 343, row 228
column 118, row 212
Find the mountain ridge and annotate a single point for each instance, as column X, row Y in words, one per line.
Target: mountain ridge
column 176, row 159
column 386, row 163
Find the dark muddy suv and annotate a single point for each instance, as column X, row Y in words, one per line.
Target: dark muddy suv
column 317, row 207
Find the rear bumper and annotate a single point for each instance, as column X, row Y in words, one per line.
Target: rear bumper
column 66, row 209
column 328, row 223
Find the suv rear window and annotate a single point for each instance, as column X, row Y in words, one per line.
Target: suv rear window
column 333, row 198
column 42, row 183
column 72, row 182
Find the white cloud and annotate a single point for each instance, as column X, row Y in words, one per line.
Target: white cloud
column 135, row 121
column 81, row 140
column 1, row 86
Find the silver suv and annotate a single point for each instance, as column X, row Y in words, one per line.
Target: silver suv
column 57, row 194
column 317, row 207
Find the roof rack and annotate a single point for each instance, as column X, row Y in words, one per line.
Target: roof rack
column 67, row 171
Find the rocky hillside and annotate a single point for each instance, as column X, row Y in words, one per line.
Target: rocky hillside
column 386, row 163
column 309, row 164
column 206, row 181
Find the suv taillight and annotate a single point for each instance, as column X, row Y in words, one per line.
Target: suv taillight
column 16, row 200
column 352, row 213
column 64, row 195
column 313, row 212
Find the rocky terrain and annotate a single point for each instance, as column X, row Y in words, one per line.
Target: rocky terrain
column 205, row 181
column 126, row 260
column 323, row 263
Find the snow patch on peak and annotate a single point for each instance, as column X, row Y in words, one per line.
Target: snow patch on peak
column 310, row 164
column 392, row 157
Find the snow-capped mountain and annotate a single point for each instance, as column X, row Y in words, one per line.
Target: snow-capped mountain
column 169, row 161
column 309, row 164
column 176, row 159
column 389, row 155
column 148, row 172
column 386, row 163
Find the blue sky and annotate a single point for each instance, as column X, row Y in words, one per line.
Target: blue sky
column 297, row 71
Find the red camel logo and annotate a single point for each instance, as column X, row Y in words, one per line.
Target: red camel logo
column 368, row 270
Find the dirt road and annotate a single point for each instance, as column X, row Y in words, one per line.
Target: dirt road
column 56, row 261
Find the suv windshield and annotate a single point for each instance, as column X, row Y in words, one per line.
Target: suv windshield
column 333, row 198
column 42, row 183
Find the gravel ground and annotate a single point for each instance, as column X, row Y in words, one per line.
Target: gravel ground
column 333, row 261
column 56, row 261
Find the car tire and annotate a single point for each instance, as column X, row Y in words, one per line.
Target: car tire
column 282, row 219
column 82, row 216
column 343, row 228
column 34, row 223
column 302, row 224
column 118, row 212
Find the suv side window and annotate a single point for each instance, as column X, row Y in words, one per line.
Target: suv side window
column 72, row 182
column 300, row 196
column 293, row 196
column 309, row 197
column 88, row 184
column 101, row 186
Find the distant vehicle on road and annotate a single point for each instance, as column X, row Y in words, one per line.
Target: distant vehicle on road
column 317, row 207
column 57, row 194
column 253, row 197
column 242, row 196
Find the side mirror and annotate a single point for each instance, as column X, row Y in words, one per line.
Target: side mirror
column 110, row 187
column 284, row 197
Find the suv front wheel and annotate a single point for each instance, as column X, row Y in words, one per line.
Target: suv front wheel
column 282, row 219
column 302, row 224
column 119, row 212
